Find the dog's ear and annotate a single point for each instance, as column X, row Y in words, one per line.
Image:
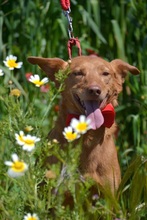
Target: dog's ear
column 121, row 69
column 49, row 65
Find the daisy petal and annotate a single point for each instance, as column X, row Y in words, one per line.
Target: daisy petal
column 15, row 157
column 8, row 163
column 31, row 217
column 44, row 80
column 1, row 72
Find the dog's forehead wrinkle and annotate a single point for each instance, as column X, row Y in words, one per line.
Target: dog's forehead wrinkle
column 83, row 67
column 103, row 68
column 90, row 65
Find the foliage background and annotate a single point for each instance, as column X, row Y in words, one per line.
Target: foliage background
column 113, row 29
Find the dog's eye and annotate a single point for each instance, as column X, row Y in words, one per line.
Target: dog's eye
column 78, row 73
column 105, row 73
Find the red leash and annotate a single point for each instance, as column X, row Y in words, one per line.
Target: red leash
column 65, row 4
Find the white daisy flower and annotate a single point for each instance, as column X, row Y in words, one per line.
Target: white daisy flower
column 29, row 142
column 69, row 134
column 36, row 80
column 1, row 72
column 82, row 125
column 20, row 138
column 17, row 167
column 10, row 62
column 31, row 217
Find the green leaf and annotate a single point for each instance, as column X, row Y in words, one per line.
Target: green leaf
column 119, row 39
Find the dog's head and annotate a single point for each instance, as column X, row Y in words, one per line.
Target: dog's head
column 92, row 83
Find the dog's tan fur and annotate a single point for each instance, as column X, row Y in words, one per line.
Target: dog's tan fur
column 90, row 78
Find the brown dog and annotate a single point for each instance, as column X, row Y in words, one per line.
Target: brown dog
column 92, row 85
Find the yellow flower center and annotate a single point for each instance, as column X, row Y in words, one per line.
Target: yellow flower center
column 12, row 63
column 82, row 126
column 18, row 166
column 71, row 136
column 32, row 218
column 21, row 137
column 29, row 142
column 37, row 82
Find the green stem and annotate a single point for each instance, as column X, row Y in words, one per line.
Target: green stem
column 50, row 104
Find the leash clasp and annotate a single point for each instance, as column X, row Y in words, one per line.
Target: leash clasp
column 72, row 40
column 70, row 27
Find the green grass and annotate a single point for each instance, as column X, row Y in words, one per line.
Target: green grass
column 113, row 29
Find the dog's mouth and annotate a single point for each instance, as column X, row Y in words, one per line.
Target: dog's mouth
column 92, row 110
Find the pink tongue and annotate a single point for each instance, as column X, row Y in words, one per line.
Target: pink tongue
column 94, row 114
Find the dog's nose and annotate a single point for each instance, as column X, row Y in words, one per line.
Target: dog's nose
column 94, row 90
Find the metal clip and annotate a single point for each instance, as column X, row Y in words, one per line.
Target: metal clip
column 70, row 28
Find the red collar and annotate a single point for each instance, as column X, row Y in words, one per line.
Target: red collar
column 108, row 114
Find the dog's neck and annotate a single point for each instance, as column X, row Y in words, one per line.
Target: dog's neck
column 108, row 114
column 65, row 118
